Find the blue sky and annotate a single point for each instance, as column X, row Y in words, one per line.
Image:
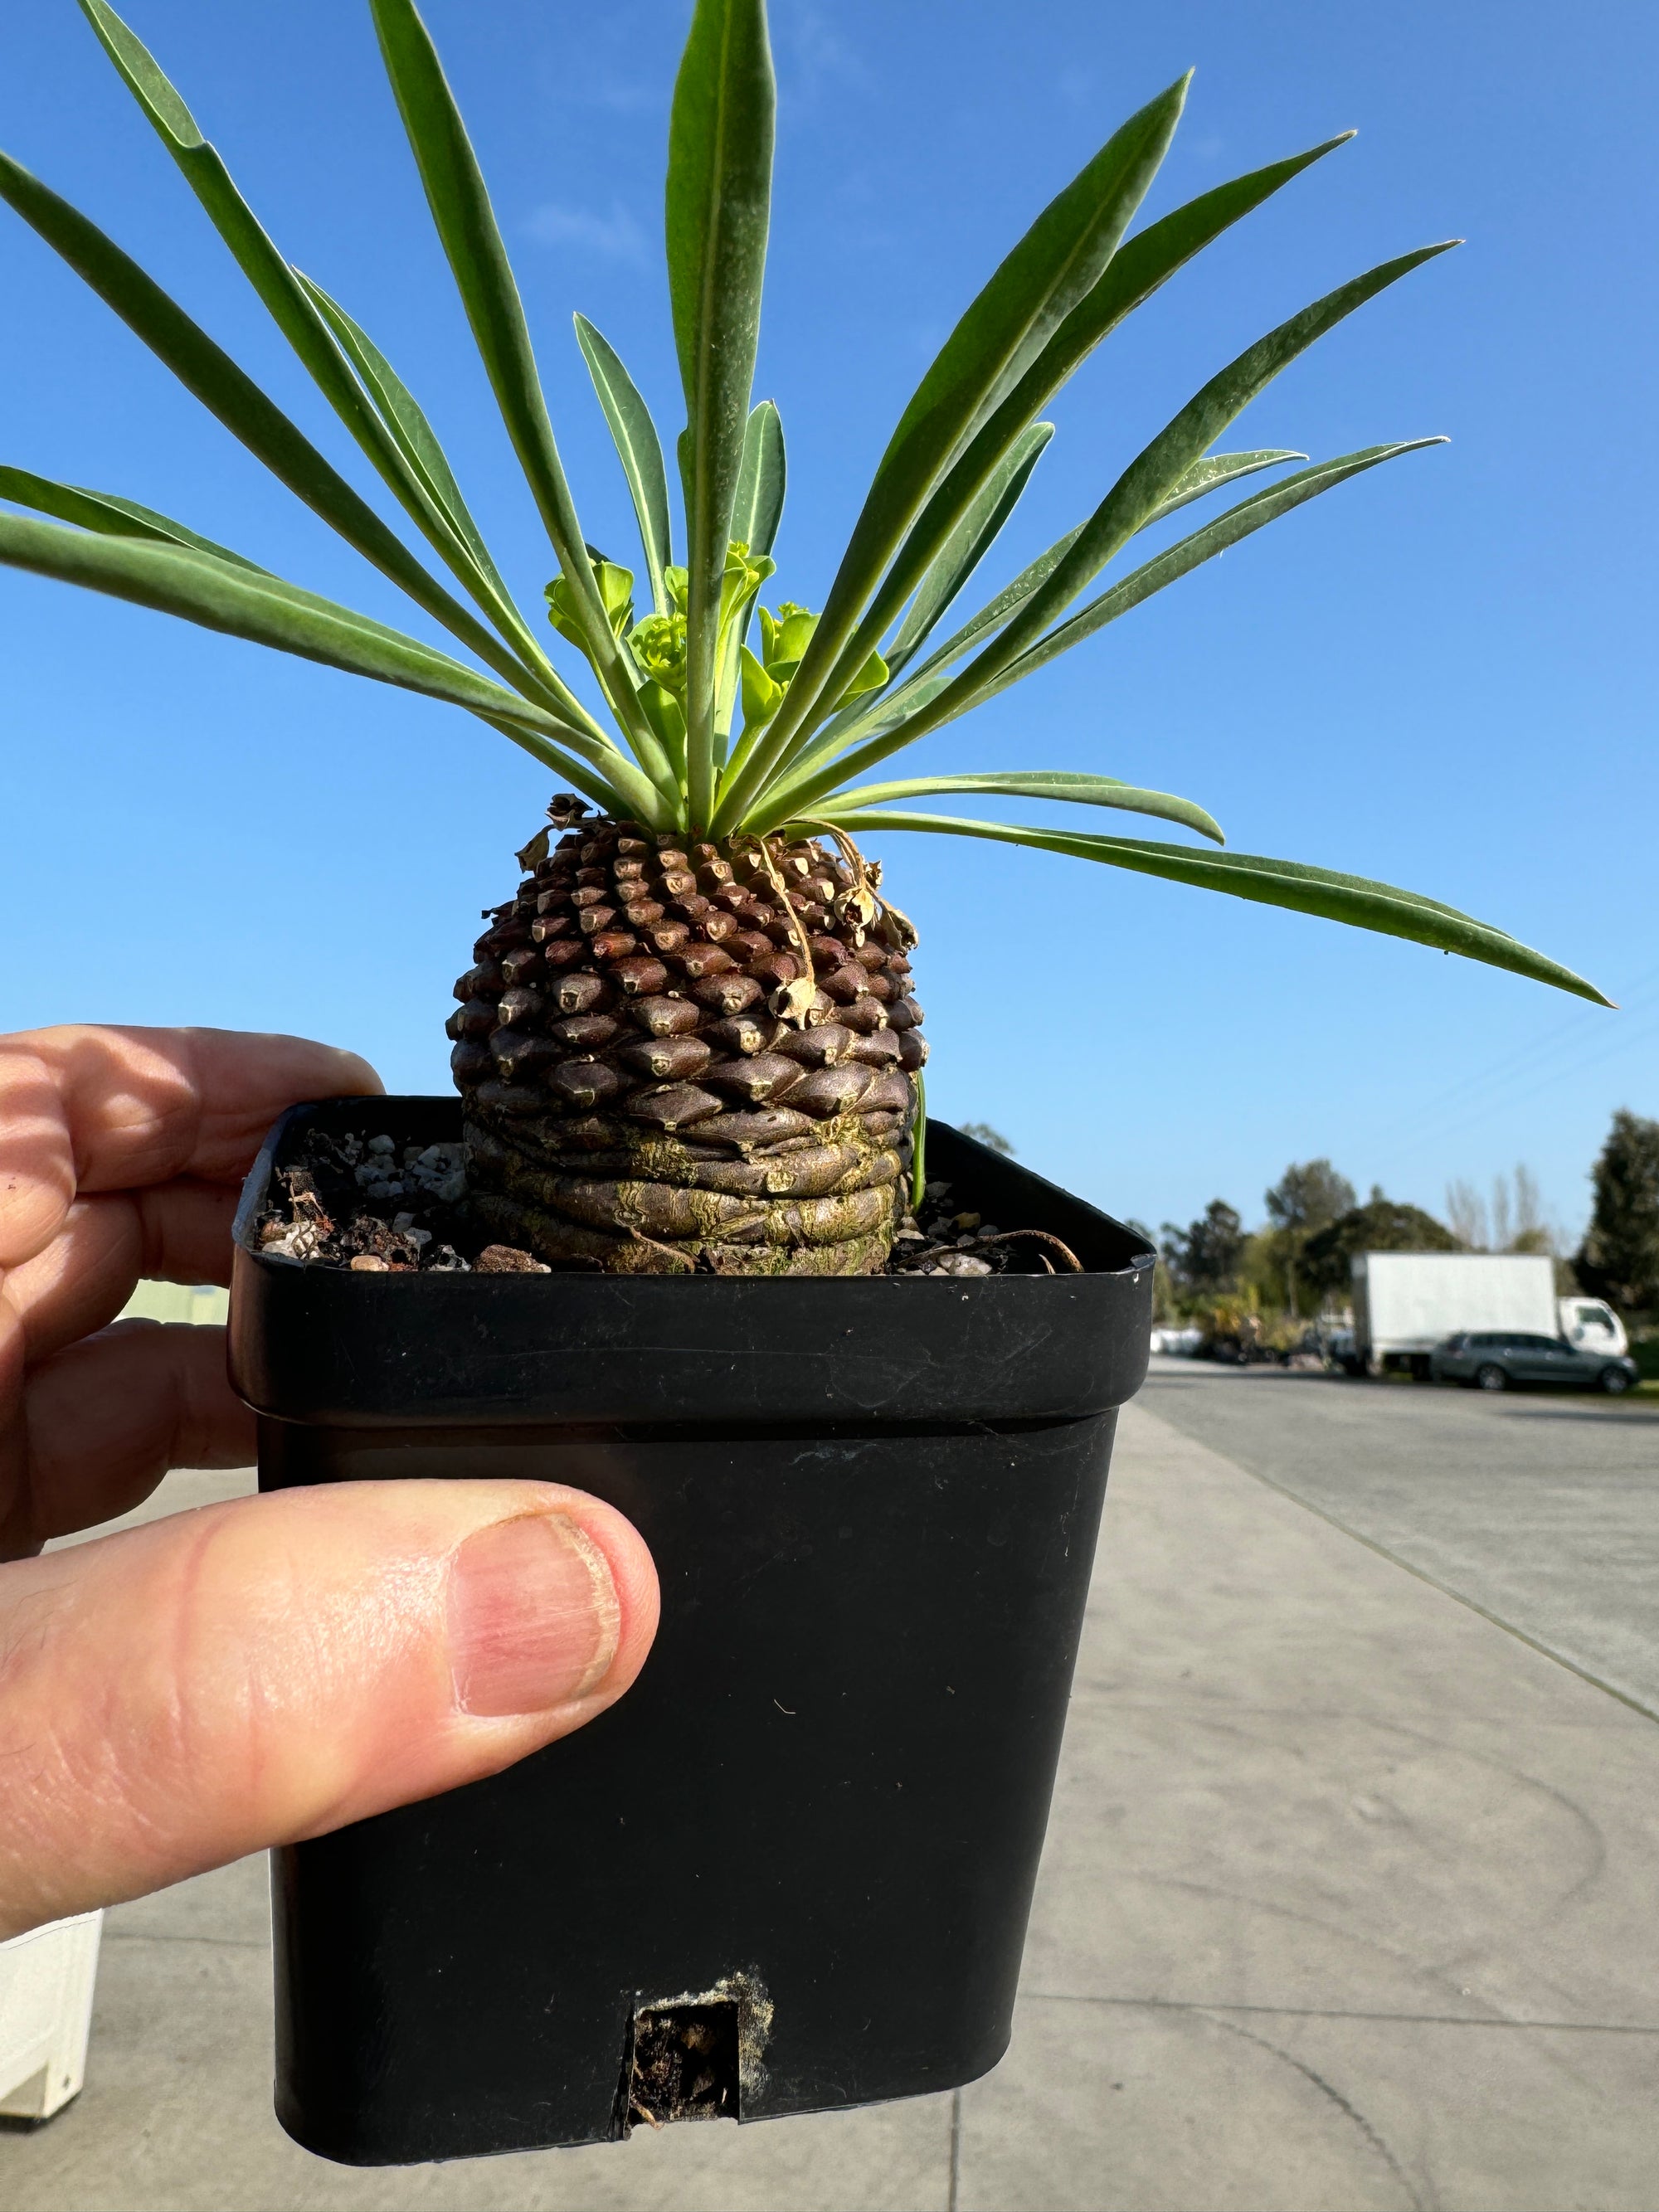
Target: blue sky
column 1440, row 674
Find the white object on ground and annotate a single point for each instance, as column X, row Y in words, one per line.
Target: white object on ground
column 47, row 1981
column 1172, row 1338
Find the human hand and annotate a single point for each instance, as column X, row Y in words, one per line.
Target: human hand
column 217, row 1681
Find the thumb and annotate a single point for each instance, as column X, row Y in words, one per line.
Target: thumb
column 248, row 1674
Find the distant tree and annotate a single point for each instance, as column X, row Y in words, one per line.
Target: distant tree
column 1513, row 1221
column 1203, row 1257
column 1304, row 1200
column 1619, row 1258
column 1309, row 1197
column 1528, row 1232
column 987, row 1135
column 1381, row 1224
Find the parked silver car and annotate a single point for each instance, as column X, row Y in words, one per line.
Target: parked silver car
column 1491, row 1360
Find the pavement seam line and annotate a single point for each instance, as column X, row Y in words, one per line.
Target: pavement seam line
column 956, row 2150
column 1532, row 1643
column 1328, row 2012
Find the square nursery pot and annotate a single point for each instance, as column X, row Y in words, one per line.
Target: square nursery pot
column 792, row 1869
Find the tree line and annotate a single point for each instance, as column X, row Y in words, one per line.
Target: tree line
column 1302, row 1258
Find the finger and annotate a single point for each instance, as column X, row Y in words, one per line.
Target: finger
column 113, row 1108
column 102, row 1422
column 249, row 1675
column 176, row 1233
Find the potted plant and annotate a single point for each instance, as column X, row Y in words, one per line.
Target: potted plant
column 791, row 1869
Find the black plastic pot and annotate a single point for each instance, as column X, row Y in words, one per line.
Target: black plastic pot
column 792, row 1869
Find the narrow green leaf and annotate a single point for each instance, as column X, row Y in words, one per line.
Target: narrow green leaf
column 312, row 326
column 968, row 543
column 718, row 208
column 1054, row 267
column 471, row 240
column 1211, row 473
column 207, row 372
column 1140, row 265
column 906, row 716
column 204, row 171
column 1357, row 900
column 265, row 610
column 995, row 611
column 888, row 709
column 113, row 518
column 1039, row 783
column 879, row 716
column 1217, row 536
column 640, row 451
column 405, row 421
column 757, row 508
column 1150, row 477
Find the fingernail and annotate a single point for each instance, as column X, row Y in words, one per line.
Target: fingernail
column 533, row 1616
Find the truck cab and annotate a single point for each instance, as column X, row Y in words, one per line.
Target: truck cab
column 1591, row 1325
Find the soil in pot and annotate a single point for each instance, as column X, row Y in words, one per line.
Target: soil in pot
column 358, row 1199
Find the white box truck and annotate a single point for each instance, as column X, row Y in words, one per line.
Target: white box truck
column 1406, row 1303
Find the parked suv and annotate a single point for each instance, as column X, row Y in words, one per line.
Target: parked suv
column 1491, row 1360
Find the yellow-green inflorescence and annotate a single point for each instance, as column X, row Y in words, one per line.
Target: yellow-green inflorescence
column 657, row 641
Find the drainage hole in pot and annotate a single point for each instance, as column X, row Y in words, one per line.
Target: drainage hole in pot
column 685, row 2064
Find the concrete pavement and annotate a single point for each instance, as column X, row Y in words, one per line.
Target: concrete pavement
column 1347, row 1902
column 1541, row 1506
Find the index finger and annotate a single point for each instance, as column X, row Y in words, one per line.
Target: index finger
column 91, row 1108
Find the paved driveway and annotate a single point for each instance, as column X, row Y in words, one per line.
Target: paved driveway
column 1541, row 1508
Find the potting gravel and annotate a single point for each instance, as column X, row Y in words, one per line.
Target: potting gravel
column 364, row 1203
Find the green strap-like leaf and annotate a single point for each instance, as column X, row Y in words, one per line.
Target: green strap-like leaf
column 1356, row 900
column 1154, row 475
column 640, row 451
column 1217, row 536
column 417, row 442
column 757, row 508
column 886, row 710
column 995, row 611
column 295, row 306
column 718, row 209
column 968, row 544
column 1038, row 284
column 907, row 712
column 1040, row 783
column 1140, row 265
column 471, row 240
column 112, row 517
column 405, row 421
column 200, row 588
column 1054, row 266
column 1211, row 473
column 209, row 373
